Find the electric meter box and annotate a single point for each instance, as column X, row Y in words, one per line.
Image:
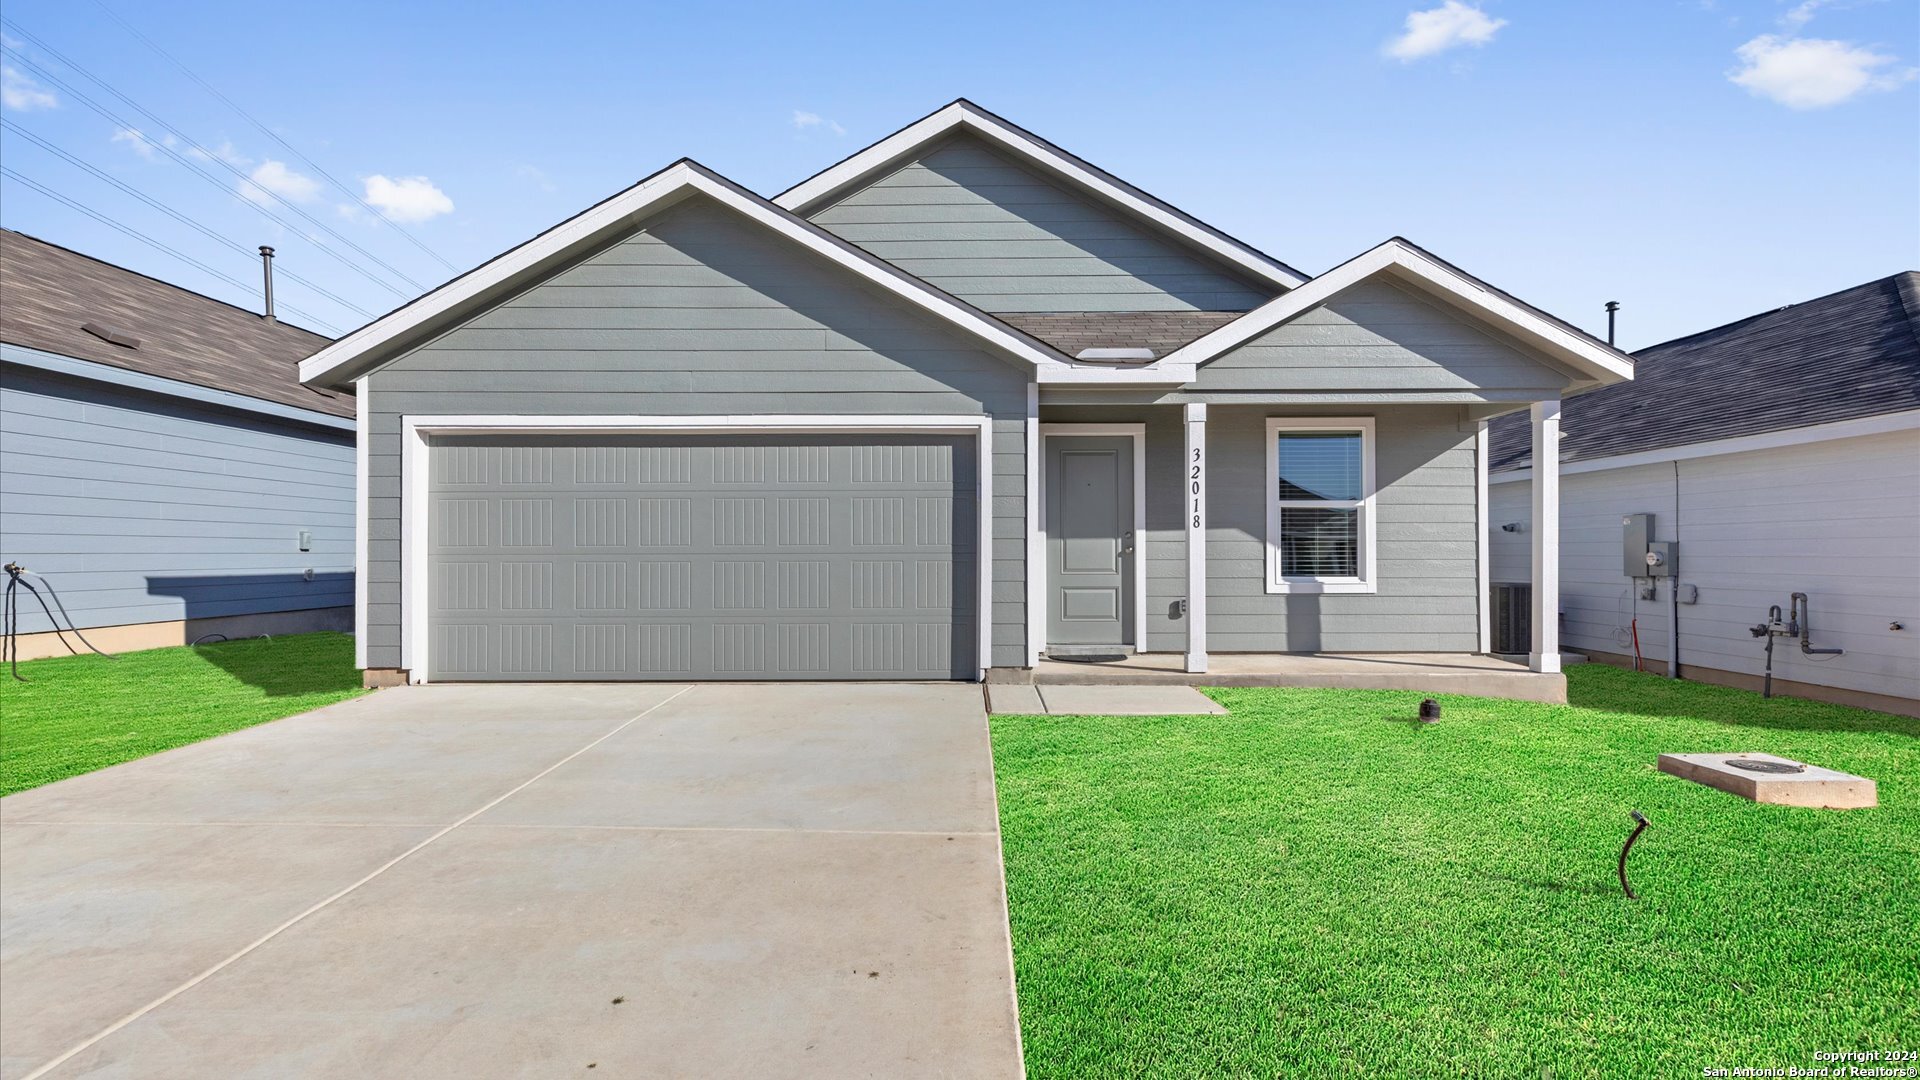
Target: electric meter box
column 1636, row 537
column 1659, row 558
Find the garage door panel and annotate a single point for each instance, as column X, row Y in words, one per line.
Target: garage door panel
column 703, row 557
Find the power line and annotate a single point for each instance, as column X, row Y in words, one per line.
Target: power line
column 271, row 134
column 123, row 124
column 176, row 215
column 152, row 243
column 142, row 110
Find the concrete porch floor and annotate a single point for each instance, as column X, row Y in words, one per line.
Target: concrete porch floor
column 1437, row 673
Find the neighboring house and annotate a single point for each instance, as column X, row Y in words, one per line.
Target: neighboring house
column 160, row 464
column 959, row 400
column 1782, row 454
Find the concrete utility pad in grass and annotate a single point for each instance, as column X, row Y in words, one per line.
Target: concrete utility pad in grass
column 1811, row 786
column 1135, row 700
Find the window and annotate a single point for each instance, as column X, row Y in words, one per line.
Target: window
column 1320, row 536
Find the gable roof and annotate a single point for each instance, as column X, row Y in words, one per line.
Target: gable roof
column 963, row 115
column 368, row 347
column 1559, row 341
column 1844, row 356
column 51, row 293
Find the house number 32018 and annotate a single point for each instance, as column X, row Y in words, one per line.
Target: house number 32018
column 1194, row 480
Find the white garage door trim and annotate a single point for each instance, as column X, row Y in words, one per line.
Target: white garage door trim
column 413, row 481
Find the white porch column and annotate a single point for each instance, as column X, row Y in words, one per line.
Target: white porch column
column 1545, row 656
column 1194, row 474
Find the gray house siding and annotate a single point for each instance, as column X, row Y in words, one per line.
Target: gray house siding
column 699, row 313
column 1379, row 336
column 141, row 508
column 997, row 234
column 1835, row 520
column 1428, row 567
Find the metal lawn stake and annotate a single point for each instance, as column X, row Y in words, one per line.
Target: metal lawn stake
column 1637, row 830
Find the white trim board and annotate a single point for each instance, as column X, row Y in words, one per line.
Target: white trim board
column 1036, row 545
column 1766, row 440
column 465, row 295
column 1367, row 561
column 1138, row 432
column 414, row 644
column 962, row 114
column 1584, row 354
column 1193, row 519
column 362, row 453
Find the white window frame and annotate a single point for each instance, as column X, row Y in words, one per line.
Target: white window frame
column 1365, row 580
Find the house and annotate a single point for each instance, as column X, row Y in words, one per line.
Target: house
column 1781, row 455
column 959, row 402
column 161, row 467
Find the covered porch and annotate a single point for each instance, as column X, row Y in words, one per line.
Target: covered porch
column 1213, row 583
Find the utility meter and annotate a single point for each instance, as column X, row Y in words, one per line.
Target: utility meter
column 1660, row 554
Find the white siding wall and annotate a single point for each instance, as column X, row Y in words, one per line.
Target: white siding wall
column 1837, row 520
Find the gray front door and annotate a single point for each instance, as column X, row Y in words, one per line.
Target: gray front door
column 702, row 557
column 1090, row 541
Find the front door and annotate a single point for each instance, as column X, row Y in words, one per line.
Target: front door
column 1090, row 541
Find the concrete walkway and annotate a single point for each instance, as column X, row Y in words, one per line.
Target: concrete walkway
column 1028, row 699
column 503, row 881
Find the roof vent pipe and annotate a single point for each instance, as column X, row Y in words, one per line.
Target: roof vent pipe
column 1612, row 307
column 266, row 276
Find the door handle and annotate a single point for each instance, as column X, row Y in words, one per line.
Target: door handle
column 1126, row 544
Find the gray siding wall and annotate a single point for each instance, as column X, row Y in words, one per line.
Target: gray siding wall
column 1000, row 236
column 1428, row 542
column 1835, row 520
column 1379, row 336
column 701, row 312
column 144, row 508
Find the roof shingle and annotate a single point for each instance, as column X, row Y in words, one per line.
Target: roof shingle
column 47, row 293
column 1852, row 354
column 1161, row 331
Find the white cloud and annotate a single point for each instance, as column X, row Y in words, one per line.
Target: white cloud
column 804, row 120
column 1813, row 73
column 136, row 139
column 1448, row 26
column 273, row 178
column 1802, row 13
column 534, row 175
column 224, row 152
column 407, row 198
column 22, row 94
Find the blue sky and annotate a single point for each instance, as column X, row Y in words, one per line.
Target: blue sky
column 1698, row 160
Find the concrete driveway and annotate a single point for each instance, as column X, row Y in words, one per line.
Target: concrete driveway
column 637, row 880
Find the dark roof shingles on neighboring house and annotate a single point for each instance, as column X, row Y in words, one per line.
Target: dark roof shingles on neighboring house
column 48, row 293
column 1852, row 354
column 1161, row 331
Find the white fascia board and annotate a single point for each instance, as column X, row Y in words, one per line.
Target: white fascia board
column 1740, row 444
column 962, row 114
column 1559, row 343
column 671, row 184
column 1157, row 374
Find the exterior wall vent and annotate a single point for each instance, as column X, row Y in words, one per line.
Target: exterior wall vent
column 111, row 336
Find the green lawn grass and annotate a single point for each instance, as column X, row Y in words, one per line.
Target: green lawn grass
column 75, row 714
column 1318, row 885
